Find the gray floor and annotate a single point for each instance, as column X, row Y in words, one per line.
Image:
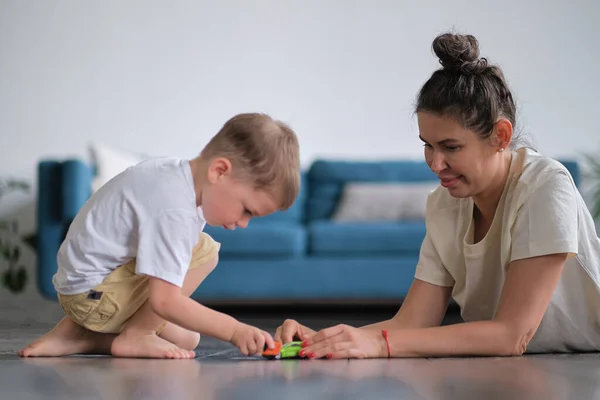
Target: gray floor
column 220, row 372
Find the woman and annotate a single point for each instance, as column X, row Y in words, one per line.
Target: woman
column 508, row 236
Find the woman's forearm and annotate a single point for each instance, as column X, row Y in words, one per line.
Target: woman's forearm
column 482, row 338
column 407, row 319
column 390, row 324
column 424, row 307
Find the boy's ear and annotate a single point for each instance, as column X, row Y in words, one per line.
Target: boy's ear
column 218, row 168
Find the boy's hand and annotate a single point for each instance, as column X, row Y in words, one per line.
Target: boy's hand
column 251, row 340
column 292, row 330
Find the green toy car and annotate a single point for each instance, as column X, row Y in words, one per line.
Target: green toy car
column 285, row 351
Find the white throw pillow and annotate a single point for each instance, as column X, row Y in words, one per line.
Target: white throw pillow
column 375, row 201
column 110, row 162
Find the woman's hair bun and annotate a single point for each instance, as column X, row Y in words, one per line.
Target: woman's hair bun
column 459, row 52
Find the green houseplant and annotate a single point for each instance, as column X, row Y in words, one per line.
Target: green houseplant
column 592, row 162
column 14, row 277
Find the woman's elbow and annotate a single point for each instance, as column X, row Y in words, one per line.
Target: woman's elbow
column 516, row 342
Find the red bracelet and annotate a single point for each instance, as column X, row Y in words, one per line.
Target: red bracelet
column 387, row 342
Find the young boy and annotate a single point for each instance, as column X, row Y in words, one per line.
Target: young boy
column 135, row 252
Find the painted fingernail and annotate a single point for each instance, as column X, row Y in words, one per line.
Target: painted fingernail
column 302, row 353
column 305, row 343
column 311, row 355
column 329, row 356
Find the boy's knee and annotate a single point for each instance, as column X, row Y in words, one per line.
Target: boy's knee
column 190, row 341
column 205, row 252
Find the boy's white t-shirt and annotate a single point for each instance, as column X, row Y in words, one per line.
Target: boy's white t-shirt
column 540, row 212
column 147, row 212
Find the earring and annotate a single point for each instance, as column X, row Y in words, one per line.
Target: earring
column 501, row 150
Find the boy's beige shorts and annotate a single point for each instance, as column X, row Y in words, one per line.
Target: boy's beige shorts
column 109, row 306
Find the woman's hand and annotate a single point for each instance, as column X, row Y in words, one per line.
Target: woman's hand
column 343, row 341
column 291, row 330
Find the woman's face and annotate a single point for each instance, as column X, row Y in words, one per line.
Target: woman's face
column 465, row 164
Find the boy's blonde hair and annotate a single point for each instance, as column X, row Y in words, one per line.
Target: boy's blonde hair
column 263, row 151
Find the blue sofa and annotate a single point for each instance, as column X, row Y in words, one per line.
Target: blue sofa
column 299, row 256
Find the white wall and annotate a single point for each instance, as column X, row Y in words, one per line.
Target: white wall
column 161, row 77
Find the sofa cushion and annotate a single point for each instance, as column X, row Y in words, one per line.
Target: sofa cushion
column 108, row 162
column 327, row 179
column 282, row 240
column 375, row 201
column 329, row 238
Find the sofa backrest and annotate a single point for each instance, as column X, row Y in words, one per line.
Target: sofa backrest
column 573, row 168
column 326, row 179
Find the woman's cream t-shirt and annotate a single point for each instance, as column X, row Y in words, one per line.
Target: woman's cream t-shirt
column 540, row 212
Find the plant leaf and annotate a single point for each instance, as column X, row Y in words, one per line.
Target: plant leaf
column 16, row 254
column 6, row 253
column 14, row 184
column 15, row 281
column 21, row 280
column 593, row 162
column 7, row 279
column 596, row 205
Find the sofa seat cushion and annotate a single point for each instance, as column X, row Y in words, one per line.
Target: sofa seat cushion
column 329, row 238
column 261, row 240
column 327, row 179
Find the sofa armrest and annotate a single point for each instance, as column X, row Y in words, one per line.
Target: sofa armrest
column 63, row 187
column 76, row 187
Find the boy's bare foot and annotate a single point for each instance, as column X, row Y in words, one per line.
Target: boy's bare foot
column 68, row 338
column 137, row 344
